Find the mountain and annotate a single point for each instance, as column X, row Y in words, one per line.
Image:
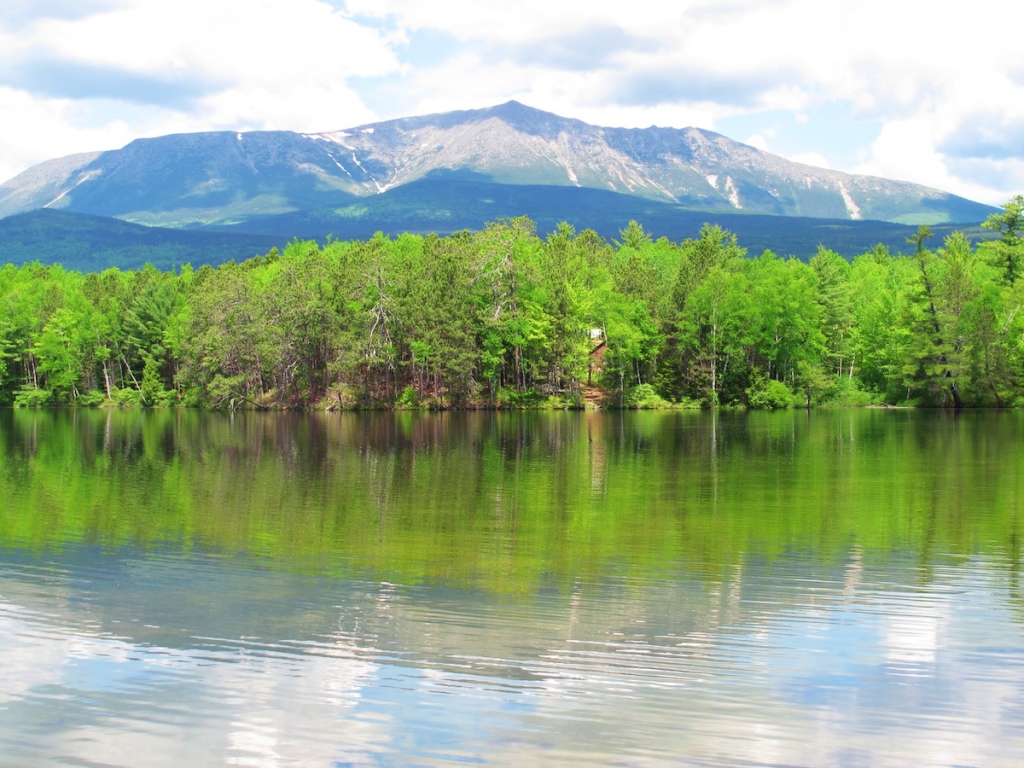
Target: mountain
column 225, row 179
column 444, row 203
column 88, row 243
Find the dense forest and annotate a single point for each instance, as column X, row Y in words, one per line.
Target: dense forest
column 505, row 318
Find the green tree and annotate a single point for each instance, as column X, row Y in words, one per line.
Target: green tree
column 565, row 301
column 713, row 333
column 878, row 337
column 837, row 316
column 933, row 360
column 924, row 232
column 506, row 252
column 1009, row 224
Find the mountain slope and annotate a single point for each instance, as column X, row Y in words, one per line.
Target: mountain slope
column 514, row 144
column 90, row 243
column 444, row 203
column 225, row 178
column 185, row 179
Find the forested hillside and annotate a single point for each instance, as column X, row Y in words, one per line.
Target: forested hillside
column 505, row 318
column 93, row 243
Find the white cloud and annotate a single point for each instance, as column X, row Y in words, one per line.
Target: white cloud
column 809, row 158
column 906, row 150
column 929, row 74
column 926, row 73
column 757, row 140
column 265, row 41
column 263, row 64
column 38, row 129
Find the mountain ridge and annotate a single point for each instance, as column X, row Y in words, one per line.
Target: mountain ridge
column 223, row 177
column 89, row 243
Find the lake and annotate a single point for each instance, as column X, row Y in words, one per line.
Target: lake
column 681, row 588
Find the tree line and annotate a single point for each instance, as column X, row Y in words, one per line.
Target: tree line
column 505, row 318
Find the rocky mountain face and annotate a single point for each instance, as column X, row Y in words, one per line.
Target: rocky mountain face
column 226, row 178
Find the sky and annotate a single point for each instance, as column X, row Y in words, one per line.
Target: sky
column 925, row 91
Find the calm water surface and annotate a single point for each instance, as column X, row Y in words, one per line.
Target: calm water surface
column 839, row 588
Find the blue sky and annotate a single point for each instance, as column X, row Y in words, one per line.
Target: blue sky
column 925, row 92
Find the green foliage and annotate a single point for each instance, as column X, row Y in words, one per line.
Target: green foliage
column 1008, row 254
column 92, row 399
column 408, row 399
column 527, row 399
column 845, row 392
column 645, row 397
column 769, row 394
column 502, row 318
column 126, row 398
column 634, row 236
column 1010, row 223
column 31, row 397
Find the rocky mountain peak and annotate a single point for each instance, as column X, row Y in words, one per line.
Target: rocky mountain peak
column 205, row 178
